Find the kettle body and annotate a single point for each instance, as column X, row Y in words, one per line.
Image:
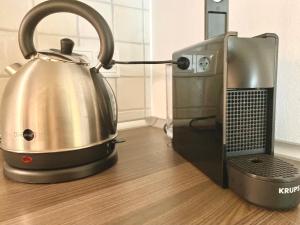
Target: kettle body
column 56, row 106
column 59, row 116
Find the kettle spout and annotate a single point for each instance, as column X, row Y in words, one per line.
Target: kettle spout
column 13, row 68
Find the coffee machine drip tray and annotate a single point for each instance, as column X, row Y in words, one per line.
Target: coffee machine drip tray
column 265, row 180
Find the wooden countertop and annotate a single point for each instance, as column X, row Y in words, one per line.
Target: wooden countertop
column 150, row 184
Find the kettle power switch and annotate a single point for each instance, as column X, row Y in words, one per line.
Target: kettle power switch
column 26, row 159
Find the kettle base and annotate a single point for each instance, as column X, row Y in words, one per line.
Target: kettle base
column 59, row 175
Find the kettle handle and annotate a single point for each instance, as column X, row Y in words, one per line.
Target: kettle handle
column 36, row 14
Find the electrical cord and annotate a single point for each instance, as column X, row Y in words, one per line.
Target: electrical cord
column 194, row 120
column 145, row 62
column 119, row 141
column 165, row 128
column 200, row 119
column 182, row 62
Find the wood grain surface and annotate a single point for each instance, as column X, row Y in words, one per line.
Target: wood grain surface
column 151, row 184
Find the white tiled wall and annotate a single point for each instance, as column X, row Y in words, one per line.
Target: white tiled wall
column 131, row 28
column 129, row 21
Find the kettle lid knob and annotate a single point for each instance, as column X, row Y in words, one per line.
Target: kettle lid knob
column 66, row 46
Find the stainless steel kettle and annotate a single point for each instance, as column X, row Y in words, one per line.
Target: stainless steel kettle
column 58, row 116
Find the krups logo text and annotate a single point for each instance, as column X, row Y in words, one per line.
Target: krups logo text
column 290, row 190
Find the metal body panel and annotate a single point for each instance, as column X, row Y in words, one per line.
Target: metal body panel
column 251, row 62
column 200, row 97
column 65, row 105
column 198, row 108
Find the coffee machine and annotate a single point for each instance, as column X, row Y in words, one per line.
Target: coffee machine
column 223, row 117
column 222, row 114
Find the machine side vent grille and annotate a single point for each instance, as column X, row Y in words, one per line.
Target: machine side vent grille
column 246, row 120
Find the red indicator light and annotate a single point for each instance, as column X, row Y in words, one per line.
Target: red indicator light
column 26, row 159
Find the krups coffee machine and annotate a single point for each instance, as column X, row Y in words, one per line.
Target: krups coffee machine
column 223, row 112
column 223, row 117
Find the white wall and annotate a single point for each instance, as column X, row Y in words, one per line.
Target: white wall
column 129, row 21
column 176, row 25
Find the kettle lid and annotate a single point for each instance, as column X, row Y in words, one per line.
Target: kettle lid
column 64, row 54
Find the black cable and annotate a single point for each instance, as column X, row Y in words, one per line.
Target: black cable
column 145, row 62
column 182, row 62
column 200, row 119
column 165, row 128
column 118, row 141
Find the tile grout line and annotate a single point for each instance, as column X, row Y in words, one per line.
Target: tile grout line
column 82, row 37
column 144, row 57
column 131, row 120
column 131, row 7
column 36, row 38
column 119, row 5
column 78, row 30
column 151, row 55
column 8, row 30
column 132, row 109
column 132, row 76
column 113, row 30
